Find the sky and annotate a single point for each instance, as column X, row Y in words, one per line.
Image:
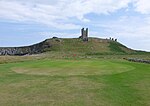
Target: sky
column 25, row 22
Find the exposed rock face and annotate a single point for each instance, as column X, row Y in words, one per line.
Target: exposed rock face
column 26, row 50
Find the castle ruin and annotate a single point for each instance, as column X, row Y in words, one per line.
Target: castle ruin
column 84, row 34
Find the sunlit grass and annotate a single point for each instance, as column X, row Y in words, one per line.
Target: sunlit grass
column 80, row 82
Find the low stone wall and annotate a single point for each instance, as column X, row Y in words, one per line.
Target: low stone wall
column 26, row 50
column 138, row 60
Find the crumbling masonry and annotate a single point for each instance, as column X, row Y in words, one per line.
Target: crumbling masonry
column 84, row 34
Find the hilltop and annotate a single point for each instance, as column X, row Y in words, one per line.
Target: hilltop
column 94, row 46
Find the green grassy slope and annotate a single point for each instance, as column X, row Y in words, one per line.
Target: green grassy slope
column 94, row 46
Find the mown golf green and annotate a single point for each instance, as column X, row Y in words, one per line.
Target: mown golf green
column 93, row 82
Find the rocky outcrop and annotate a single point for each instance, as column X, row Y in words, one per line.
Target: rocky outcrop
column 138, row 60
column 26, row 50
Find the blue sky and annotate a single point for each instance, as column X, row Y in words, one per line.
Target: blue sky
column 25, row 22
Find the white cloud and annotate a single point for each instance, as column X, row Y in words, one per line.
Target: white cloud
column 49, row 11
column 143, row 6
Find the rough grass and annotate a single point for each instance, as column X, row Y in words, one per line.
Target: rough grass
column 78, row 46
column 93, row 46
column 75, row 83
column 116, row 47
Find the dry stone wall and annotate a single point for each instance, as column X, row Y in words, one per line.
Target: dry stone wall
column 138, row 60
column 26, row 50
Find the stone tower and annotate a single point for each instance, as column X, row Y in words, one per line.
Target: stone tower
column 84, row 34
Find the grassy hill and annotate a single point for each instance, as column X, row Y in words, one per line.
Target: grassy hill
column 95, row 46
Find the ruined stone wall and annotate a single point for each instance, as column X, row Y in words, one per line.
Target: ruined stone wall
column 84, row 34
column 138, row 60
column 26, row 50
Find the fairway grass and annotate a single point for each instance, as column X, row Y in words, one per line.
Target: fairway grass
column 71, row 67
column 75, row 83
